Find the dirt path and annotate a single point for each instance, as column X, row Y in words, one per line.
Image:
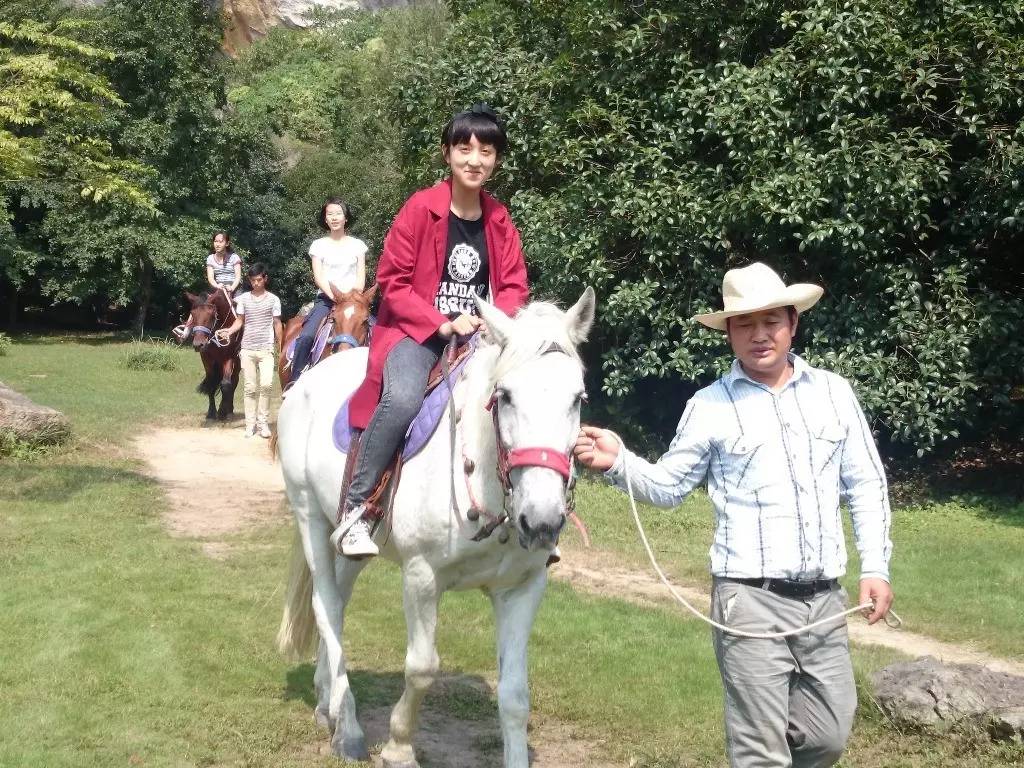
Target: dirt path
column 597, row 573
column 194, row 465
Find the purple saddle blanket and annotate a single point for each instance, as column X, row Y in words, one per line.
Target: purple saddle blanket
column 422, row 426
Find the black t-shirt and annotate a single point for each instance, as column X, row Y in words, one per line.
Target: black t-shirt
column 466, row 270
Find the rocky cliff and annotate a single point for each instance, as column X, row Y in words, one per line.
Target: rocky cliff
column 249, row 20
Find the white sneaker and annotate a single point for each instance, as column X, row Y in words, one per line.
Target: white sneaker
column 352, row 537
column 250, row 430
column 263, row 430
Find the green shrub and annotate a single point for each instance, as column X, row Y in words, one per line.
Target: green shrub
column 873, row 146
column 13, row 447
column 152, row 355
column 5, row 344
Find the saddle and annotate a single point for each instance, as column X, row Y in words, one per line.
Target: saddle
column 320, row 342
column 422, row 428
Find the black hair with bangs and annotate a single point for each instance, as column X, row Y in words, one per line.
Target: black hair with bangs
column 480, row 121
column 322, row 221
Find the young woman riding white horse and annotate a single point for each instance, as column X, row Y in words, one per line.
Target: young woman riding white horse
column 449, row 244
column 518, row 408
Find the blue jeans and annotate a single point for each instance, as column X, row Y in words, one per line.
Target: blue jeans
column 304, row 343
column 405, row 382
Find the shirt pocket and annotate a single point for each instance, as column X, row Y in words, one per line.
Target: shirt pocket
column 827, row 443
column 746, row 460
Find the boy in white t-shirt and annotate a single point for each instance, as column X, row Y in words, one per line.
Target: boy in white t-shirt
column 259, row 313
column 338, row 260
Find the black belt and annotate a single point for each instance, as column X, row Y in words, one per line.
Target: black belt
column 791, row 588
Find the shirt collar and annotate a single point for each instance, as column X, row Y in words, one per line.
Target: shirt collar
column 736, row 373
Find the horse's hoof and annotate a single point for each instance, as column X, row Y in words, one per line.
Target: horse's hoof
column 211, row 417
column 323, row 719
column 352, row 748
column 390, row 764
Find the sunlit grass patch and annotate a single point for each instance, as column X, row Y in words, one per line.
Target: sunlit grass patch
column 154, row 355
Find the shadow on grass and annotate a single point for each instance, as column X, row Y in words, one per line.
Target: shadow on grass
column 55, row 483
column 1005, row 511
column 88, row 338
column 466, row 697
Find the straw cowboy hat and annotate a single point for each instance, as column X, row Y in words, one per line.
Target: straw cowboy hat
column 755, row 288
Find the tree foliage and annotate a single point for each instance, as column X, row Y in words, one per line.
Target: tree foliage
column 54, row 103
column 326, row 98
column 873, row 147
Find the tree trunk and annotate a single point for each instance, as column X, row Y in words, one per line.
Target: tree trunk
column 145, row 293
column 10, row 318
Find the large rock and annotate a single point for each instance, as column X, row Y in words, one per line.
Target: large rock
column 31, row 423
column 930, row 694
column 249, row 20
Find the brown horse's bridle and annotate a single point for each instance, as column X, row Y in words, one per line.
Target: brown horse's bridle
column 216, row 321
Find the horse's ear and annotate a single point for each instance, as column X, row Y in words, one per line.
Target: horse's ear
column 499, row 325
column 370, row 294
column 336, row 293
column 580, row 317
column 192, row 298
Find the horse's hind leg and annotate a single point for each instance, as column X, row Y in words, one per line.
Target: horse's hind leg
column 514, row 611
column 348, row 739
column 420, row 600
column 207, row 385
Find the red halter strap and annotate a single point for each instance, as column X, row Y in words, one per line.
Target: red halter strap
column 539, row 457
column 509, row 459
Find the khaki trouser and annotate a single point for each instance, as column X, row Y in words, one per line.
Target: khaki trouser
column 258, row 370
column 788, row 702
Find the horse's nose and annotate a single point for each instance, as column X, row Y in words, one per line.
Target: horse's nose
column 542, row 533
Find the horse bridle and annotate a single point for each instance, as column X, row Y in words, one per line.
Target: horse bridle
column 508, row 459
column 529, row 456
column 184, row 330
column 214, row 339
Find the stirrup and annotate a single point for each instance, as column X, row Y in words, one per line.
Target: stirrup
column 344, row 524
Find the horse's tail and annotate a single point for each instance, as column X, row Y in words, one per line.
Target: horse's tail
column 298, row 632
column 210, row 382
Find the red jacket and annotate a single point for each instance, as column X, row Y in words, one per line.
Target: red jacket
column 409, row 275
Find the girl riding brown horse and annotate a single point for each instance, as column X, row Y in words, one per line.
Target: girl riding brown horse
column 350, row 315
column 211, row 312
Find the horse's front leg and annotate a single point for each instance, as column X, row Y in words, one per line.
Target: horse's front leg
column 420, row 598
column 514, row 610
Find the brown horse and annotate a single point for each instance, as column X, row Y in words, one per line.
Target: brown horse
column 211, row 312
column 350, row 317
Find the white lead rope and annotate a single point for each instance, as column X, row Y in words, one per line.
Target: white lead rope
column 683, row 601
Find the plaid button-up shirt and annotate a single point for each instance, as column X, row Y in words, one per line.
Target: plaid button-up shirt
column 777, row 465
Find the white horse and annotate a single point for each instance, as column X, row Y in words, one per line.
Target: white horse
column 528, row 369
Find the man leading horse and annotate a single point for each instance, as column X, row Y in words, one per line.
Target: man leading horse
column 778, row 443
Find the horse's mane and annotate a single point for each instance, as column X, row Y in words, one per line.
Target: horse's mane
column 215, row 297
column 536, row 327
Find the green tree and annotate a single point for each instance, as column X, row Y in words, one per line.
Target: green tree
column 874, row 147
column 325, row 99
column 54, row 104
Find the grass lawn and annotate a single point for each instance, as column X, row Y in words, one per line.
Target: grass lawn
column 123, row 646
column 957, row 566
